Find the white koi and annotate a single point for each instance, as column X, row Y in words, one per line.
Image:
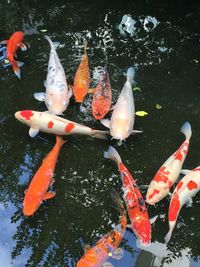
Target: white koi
column 57, row 92
column 123, row 116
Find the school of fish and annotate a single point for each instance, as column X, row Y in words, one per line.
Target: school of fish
column 120, row 126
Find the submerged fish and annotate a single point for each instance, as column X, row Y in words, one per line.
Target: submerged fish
column 168, row 173
column 187, row 188
column 13, row 44
column 57, row 92
column 49, row 123
column 82, row 78
column 97, row 255
column 102, row 97
column 137, row 211
column 123, row 116
column 37, row 191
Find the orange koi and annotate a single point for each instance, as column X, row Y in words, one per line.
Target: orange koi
column 42, row 180
column 102, row 97
column 82, row 78
column 13, row 44
column 97, row 255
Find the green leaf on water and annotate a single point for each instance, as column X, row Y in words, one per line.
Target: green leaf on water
column 158, row 106
column 136, row 89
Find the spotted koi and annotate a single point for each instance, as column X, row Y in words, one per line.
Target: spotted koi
column 170, row 170
column 187, row 188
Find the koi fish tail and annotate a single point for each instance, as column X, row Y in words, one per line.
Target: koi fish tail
column 186, row 130
column 16, row 68
column 112, row 154
column 169, row 234
column 60, row 141
column 131, row 75
column 85, row 47
column 100, row 134
column 53, row 45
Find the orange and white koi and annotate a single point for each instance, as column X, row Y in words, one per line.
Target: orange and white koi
column 187, row 188
column 137, row 211
column 37, row 191
column 13, row 44
column 97, row 255
column 82, row 78
column 102, row 97
column 168, row 173
column 57, row 94
column 49, row 123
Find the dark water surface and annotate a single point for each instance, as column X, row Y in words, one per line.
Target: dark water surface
column 166, row 54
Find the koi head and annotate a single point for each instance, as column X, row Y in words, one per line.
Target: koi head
column 120, row 129
column 30, row 204
column 25, row 116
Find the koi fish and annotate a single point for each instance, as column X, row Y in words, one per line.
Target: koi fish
column 170, row 170
column 13, row 44
column 102, row 97
column 137, row 211
column 187, row 188
column 57, row 92
column 97, row 255
column 82, row 78
column 49, row 123
column 123, row 116
column 42, row 180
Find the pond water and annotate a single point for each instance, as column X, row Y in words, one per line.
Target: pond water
column 162, row 40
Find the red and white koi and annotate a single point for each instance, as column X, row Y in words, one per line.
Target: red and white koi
column 97, row 255
column 57, row 92
column 13, row 44
column 123, row 116
column 49, row 123
column 168, row 173
column 187, row 188
column 135, row 203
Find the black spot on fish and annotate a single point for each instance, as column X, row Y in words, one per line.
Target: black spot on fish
column 141, row 202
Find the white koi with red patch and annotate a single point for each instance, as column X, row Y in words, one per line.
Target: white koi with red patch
column 49, row 123
column 187, row 188
column 169, row 171
column 57, row 92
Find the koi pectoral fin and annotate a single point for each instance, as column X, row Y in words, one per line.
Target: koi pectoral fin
column 189, row 202
column 118, row 254
column 4, row 42
column 184, row 171
column 105, row 122
column 49, row 195
column 136, row 131
column 40, row 96
column 153, row 219
column 33, row 132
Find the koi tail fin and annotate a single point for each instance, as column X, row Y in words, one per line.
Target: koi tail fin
column 53, row 45
column 16, row 68
column 112, row 154
column 169, row 234
column 100, row 134
column 186, row 130
column 130, row 75
column 60, row 141
column 85, row 47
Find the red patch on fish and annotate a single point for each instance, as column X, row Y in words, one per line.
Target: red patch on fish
column 162, row 175
column 156, row 191
column 182, row 149
column 192, row 185
column 174, row 208
column 50, row 124
column 196, row 169
column 179, row 185
column 26, row 114
column 69, row 127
